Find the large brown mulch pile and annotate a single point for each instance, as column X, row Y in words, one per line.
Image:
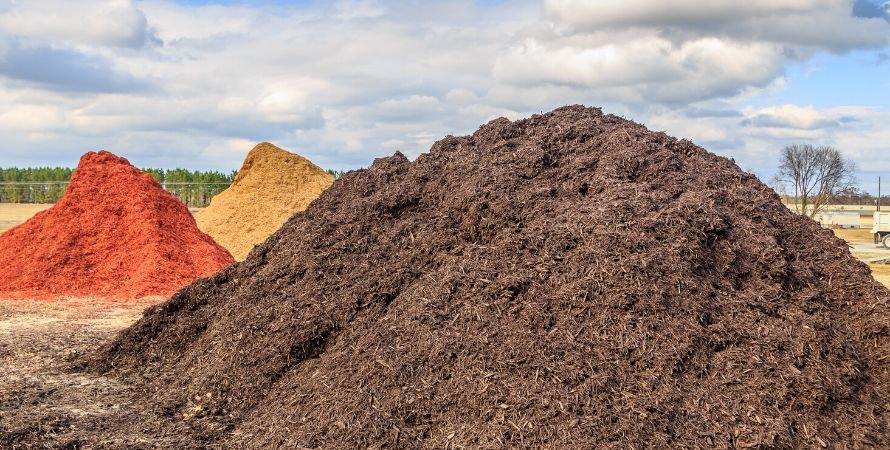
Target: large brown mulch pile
column 571, row 280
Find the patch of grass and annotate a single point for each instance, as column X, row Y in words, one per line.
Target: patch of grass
column 867, row 255
column 881, row 272
column 855, row 235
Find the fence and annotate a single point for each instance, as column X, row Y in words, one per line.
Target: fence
column 31, row 192
column 194, row 195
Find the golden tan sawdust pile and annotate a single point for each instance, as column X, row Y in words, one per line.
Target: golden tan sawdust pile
column 271, row 186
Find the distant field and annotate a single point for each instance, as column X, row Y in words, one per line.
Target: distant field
column 12, row 214
column 881, row 272
column 855, row 235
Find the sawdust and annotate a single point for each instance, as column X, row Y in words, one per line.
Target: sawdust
column 271, row 186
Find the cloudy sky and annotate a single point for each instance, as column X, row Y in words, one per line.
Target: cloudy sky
column 197, row 83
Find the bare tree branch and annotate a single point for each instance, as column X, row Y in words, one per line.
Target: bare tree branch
column 815, row 174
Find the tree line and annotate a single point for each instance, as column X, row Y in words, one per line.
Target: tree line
column 195, row 188
column 33, row 185
column 47, row 184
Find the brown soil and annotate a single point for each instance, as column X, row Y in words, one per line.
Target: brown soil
column 567, row 281
column 271, row 186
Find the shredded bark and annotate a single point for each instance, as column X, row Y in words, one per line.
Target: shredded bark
column 571, row 280
column 116, row 234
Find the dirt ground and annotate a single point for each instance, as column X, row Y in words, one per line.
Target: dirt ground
column 43, row 403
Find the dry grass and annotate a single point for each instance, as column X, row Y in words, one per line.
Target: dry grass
column 868, row 255
column 842, row 207
column 12, row 214
column 881, row 272
column 855, row 235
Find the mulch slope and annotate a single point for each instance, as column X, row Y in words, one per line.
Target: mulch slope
column 116, row 233
column 571, row 280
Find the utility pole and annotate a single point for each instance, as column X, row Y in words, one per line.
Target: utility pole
column 879, row 194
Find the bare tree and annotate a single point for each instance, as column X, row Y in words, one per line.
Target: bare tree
column 813, row 175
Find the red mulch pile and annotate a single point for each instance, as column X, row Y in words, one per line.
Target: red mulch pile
column 572, row 280
column 116, row 233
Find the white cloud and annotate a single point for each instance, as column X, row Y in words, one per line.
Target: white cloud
column 230, row 150
column 172, row 21
column 812, row 24
column 620, row 13
column 85, row 22
column 347, row 81
column 288, row 101
column 359, row 9
column 754, row 136
column 796, row 117
column 682, row 51
column 655, row 69
column 30, row 118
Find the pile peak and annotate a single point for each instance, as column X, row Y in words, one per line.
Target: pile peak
column 265, row 149
column 100, row 156
column 270, row 187
column 571, row 280
column 116, row 233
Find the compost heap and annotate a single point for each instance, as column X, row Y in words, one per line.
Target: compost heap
column 115, row 233
column 271, row 186
column 571, row 280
